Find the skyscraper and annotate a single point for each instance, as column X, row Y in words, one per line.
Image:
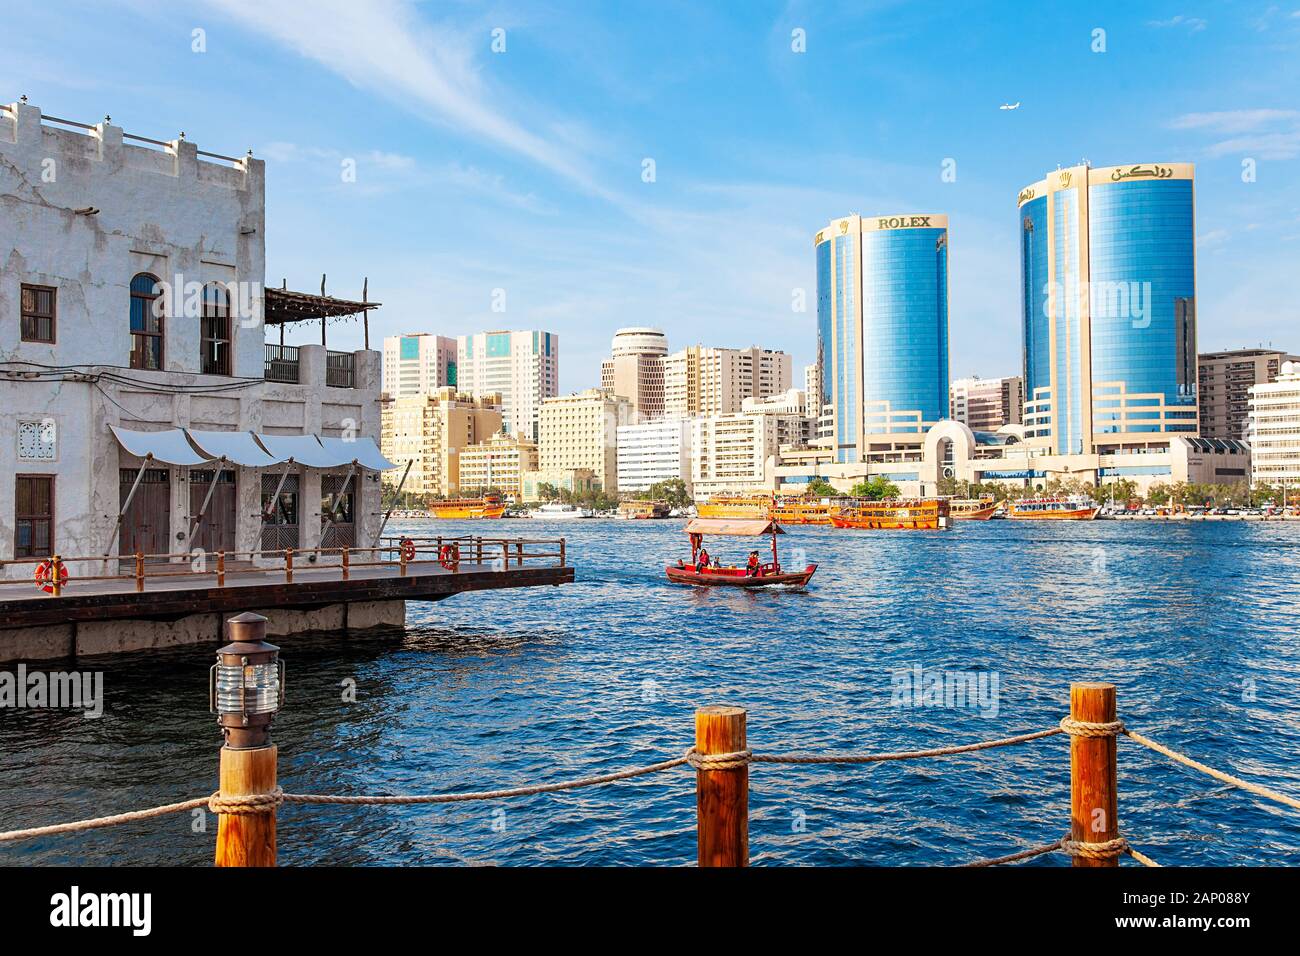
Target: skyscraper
column 418, row 363
column 1108, row 297
column 635, row 370
column 882, row 330
column 986, row 404
column 523, row 367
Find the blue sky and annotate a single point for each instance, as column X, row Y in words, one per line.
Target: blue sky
column 522, row 170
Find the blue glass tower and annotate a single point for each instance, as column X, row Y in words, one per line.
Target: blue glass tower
column 882, row 330
column 1108, row 302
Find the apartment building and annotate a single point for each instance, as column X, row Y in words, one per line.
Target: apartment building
column 430, row 431
column 714, row 381
column 580, row 431
column 418, row 362
column 1224, row 387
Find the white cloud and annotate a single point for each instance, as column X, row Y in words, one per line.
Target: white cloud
column 1258, row 133
column 1233, row 121
column 1191, row 24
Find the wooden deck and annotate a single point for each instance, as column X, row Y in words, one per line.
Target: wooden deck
column 176, row 596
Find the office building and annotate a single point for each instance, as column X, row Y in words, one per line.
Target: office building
column 652, row 452
column 500, row 463
column 733, row 454
column 714, row 381
column 882, row 331
column 635, row 370
column 1225, row 379
column 430, row 431
column 580, row 431
column 418, row 363
column 1108, row 281
column 522, row 367
column 986, row 404
column 1275, row 429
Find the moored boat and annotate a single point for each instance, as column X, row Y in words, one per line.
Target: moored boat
column 902, row 514
column 561, row 512
column 755, row 575
column 1061, row 508
column 643, row 509
column 972, row 509
column 488, row 506
column 736, row 506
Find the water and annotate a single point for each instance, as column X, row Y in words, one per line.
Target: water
column 1196, row 623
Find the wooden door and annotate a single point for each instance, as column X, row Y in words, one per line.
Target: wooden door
column 146, row 525
column 216, row 527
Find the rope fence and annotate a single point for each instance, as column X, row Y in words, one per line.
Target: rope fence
column 707, row 765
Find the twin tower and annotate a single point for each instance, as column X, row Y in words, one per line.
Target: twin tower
column 1108, row 317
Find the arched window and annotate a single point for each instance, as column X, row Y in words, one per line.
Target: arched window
column 216, row 331
column 147, row 314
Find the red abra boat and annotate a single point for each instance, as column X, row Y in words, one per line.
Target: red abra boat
column 736, row 577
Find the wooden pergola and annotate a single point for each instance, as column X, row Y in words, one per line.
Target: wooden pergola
column 283, row 307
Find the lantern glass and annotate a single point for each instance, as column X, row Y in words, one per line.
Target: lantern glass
column 248, row 688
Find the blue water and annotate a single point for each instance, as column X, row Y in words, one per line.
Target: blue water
column 1196, row 623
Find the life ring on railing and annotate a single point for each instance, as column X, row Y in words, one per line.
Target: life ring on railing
column 449, row 556
column 408, row 550
column 45, row 576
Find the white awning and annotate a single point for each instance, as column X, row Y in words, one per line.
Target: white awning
column 362, row 450
column 239, row 448
column 168, row 446
column 303, row 449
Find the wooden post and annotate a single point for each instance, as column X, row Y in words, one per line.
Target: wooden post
column 221, row 569
column 519, row 553
column 562, row 541
column 401, row 559
column 478, row 550
column 721, row 796
column 505, row 555
column 56, row 565
column 345, row 564
column 1094, row 802
column 248, row 763
column 139, row 571
column 288, row 565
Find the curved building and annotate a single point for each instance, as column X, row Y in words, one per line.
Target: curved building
column 1108, row 307
column 882, row 331
column 635, row 370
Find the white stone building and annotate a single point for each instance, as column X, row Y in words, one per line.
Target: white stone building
column 700, row 381
column 133, row 299
column 733, row 454
column 652, row 452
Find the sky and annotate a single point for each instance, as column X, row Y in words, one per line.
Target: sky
column 588, row 166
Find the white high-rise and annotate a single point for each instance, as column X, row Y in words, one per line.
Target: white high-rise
column 651, row 452
column 1275, row 429
column 635, row 370
column 523, row 367
column 712, row 381
column 418, row 363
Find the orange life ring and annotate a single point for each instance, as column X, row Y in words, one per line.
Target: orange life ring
column 45, row 576
column 408, row 549
column 449, row 556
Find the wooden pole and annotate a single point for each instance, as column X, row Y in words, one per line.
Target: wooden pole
column 562, row 542
column 139, row 571
column 288, row 565
column 247, row 839
column 721, row 796
column 221, row 569
column 345, row 564
column 56, row 565
column 1094, row 802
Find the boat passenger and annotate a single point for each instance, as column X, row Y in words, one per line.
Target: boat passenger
column 702, row 562
column 752, row 569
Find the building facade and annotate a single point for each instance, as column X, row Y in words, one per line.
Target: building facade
column 418, row 363
column 580, row 431
column 653, row 452
column 1225, row 380
column 1108, row 297
column 882, row 330
column 145, row 410
column 500, row 462
column 522, row 367
column 1275, row 429
column 714, row 381
column 986, row 404
column 733, row 454
column 430, row 431
column 635, row 370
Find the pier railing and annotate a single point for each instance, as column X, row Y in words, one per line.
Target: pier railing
column 451, row 553
column 248, row 799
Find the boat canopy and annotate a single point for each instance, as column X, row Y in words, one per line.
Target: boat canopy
column 167, row 446
column 733, row 527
